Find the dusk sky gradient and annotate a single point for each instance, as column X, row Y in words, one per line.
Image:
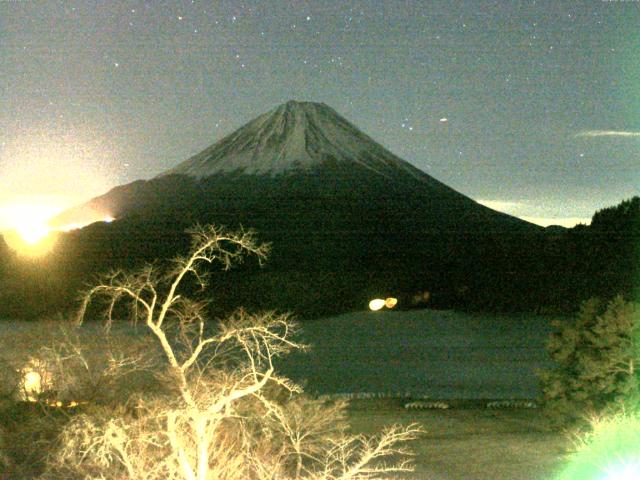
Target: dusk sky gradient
column 542, row 98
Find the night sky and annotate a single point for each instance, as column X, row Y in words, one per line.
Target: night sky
column 542, row 98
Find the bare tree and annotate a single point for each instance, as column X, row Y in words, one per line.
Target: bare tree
column 226, row 414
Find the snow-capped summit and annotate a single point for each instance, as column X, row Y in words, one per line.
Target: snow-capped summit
column 295, row 136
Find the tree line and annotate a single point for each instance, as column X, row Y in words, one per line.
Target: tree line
column 310, row 274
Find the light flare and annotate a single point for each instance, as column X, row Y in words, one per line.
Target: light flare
column 624, row 471
column 26, row 229
column 376, row 304
column 379, row 303
column 390, row 302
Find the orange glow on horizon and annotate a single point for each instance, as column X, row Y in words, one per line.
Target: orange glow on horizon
column 26, row 228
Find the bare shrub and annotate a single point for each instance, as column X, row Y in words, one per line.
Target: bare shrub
column 51, row 369
column 223, row 413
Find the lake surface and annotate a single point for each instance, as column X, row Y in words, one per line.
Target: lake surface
column 430, row 353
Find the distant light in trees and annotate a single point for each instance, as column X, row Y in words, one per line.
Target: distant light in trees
column 32, row 385
column 376, row 304
column 390, row 302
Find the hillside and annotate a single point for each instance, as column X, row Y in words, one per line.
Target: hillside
column 347, row 219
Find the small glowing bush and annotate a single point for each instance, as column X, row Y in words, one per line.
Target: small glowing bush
column 609, row 451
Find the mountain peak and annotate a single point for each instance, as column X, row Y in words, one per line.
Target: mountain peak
column 301, row 104
column 294, row 136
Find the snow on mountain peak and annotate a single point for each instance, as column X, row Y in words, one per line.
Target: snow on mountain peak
column 292, row 137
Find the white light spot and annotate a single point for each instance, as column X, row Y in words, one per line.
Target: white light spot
column 376, row 304
column 626, row 471
column 32, row 385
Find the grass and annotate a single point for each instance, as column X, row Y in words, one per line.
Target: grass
column 471, row 442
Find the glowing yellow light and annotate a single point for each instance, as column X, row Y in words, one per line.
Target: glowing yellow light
column 390, row 302
column 32, row 385
column 376, row 304
column 27, row 230
column 32, row 233
column 77, row 225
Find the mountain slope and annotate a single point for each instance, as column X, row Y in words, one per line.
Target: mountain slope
column 296, row 136
column 346, row 217
column 297, row 150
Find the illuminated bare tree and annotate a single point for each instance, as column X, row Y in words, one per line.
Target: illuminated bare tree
column 225, row 413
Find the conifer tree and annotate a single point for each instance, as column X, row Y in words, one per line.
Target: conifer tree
column 596, row 361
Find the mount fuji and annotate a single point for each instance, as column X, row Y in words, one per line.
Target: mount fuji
column 298, row 149
column 347, row 218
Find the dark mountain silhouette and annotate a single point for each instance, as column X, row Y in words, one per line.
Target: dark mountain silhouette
column 347, row 219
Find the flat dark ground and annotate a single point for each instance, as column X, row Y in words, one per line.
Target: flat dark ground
column 439, row 354
column 470, row 443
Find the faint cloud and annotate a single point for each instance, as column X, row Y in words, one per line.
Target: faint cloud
column 607, row 133
column 500, row 205
column 527, row 213
column 562, row 221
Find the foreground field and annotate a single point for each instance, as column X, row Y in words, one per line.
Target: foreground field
column 471, row 443
column 435, row 354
